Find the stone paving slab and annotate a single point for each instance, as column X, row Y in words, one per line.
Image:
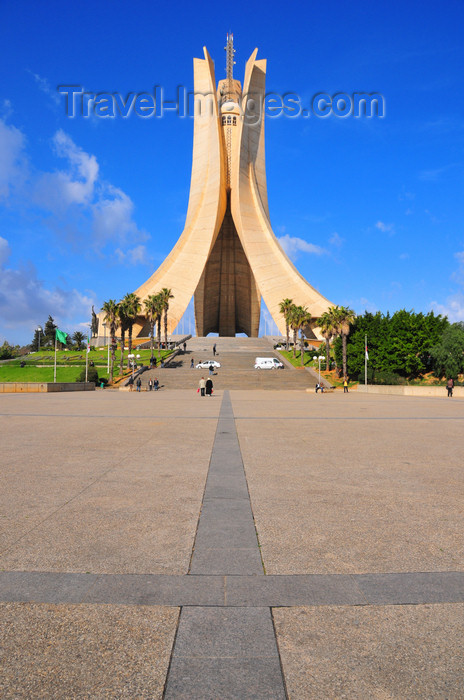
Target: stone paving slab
column 84, row 651
column 415, row 588
column 76, row 497
column 353, row 484
column 379, row 652
column 233, row 590
column 225, row 653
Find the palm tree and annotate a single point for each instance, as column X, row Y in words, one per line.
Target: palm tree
column 133, row 306
column 301, row 317
column 124, row 325
column 78, row 338
column 166, row 294
column 153, row 312
column 111, row 309
column 327, row 327
column 284, row 307
column 343, row 317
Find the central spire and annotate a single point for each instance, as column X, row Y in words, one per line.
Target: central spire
column 229, row 48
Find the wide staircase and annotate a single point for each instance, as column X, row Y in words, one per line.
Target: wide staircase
column 237, row 359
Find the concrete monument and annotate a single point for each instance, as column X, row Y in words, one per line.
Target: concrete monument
column 228, row 256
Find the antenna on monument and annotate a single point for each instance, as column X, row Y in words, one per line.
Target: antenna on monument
column 229, row 48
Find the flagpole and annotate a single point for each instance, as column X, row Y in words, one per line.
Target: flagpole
column 54, row 368
column 365, row 360
column 87, row 361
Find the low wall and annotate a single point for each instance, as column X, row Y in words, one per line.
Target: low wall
column 458, row 391
column 44, row 387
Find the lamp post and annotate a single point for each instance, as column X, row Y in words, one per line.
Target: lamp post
column 104, row 343
column 131, row 357
column 39, row 330
column 319, row 359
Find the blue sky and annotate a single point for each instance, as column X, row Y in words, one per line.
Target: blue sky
column 370, row 210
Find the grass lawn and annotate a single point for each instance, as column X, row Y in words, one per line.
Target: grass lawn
column 296, row 362
column 12, row 373
column 75, row 358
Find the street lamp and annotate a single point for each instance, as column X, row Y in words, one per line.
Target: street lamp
column 131, row 358
column 104, row 343
column 319, row 359
column 39, row 330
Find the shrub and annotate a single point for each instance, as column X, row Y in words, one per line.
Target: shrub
column 92, row 375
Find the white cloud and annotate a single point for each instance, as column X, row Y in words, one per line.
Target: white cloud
column 46, row 88
column 292, row 246
column 134, row 256
column 453, row 307
column 80, row 201
column 4, row 251
column 112, row 218
column 336, row 240
column 12, row 159
column 64, row 188
column 385, row 228
column 25, row 300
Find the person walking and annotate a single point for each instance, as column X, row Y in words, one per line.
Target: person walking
column 192, row 363
column 131, row 383
column 450, row 386
column 139, row 383
column 211, row 369
column 202, row 385
column 209, row 387
column 214, row 350
column 345, row 385
column 150, row 384
column 184, row 345
column 156, row 383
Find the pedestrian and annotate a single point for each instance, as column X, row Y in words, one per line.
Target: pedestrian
column 450, row 386
column 318, row 386
column 211, row 369
column 209, row 387
column 202, row 385
column 184, row 346
column 156, row 383
column 162, row 363
column 131, row 383
column 345, row 385
column 192, row 363
column 139, row 383
column 150, row 384
column 214, row 350
column 154, row 362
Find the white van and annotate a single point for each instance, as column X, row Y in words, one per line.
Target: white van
column 268, row 363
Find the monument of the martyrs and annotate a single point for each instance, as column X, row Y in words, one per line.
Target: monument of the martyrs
column 228, row 256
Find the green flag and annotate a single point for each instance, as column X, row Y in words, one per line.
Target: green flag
column 61, row 336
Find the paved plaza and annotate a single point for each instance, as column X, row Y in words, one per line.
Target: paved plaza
column 255, row 544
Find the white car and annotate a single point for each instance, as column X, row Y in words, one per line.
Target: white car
column 268, row 363
column 206, row 364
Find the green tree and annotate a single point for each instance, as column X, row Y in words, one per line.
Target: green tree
column 300, row 318
column 399, row 345
column 49, row 332
column 123, row 324
column 132, row 309
column 112, row 319
column 78, row 338
column 285, row 306
column 166, row 295
column 327, row 326
column 344, row 317
column 7, row 352
column 448, row 354
column 153, row 310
